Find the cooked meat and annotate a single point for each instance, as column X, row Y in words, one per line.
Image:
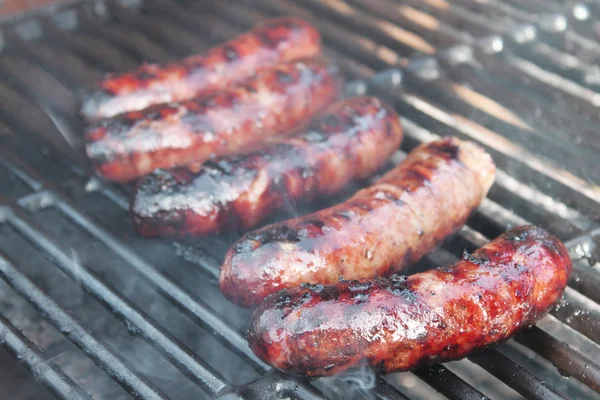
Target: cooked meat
column 401, row 323
column 380, row 230
column 235, row 120
column 349, row 140
column 276, row 41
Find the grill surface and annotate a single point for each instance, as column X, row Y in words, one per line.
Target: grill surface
column 94, row 311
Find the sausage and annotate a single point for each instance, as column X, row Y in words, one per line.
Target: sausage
column 275, row 41
column 400, row 323
column 379, row 231
column 350, row 140
column 235, row 120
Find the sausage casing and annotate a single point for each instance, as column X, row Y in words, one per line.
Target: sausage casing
column 403, row 323
column 275, row 41
column 232, row 121
column 350, row 140
column 379, row 231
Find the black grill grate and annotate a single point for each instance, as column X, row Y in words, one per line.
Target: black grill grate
column 522, row 84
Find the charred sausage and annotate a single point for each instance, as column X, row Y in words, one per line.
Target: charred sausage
column 349, row 140
column 380, row 230
column 235, row 120
column 400, row 323
column 278, row 40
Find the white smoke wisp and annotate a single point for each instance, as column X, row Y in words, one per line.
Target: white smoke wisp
column 355, row 384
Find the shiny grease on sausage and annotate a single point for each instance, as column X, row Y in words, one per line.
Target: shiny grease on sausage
column 400, row 323
column 275, row 41
column 379, row 231
column 350, row 140
column 231, row 121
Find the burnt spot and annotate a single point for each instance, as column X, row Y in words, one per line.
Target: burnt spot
column 475, row 258
column 446, row 148
column 360, row 205
column 330, row 122
column 284, row 77
column 197, row 122
column 172, row 219
column 390, row 128
column 317, row 223
column 228, row 99
column 447, row 269
column 246, row 246
column 153, row 115
column 283, row 300
column 306, row 171
column 360, row 298
column 347, row 215
column 144, row 75
column 422, row 337
column 403, row 290
column 360, row 286
column 316, row 288
column 222, row 167
column 266, row 39
column 386, row 195
column 517, row 235
column 231, row 53
column 551, row 245
column 329, row 292
column 115, row 127
column 314, row 136
column 399, row 203
column 421, row 175
column 191, row 116
column 281, row 233
column 397, row 279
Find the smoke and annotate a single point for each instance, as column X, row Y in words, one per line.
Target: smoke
column 354, row 384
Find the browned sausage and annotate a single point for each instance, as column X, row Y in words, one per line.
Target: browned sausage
column 380, row 230
column 350, row 140
column 235, row 120
column 278, row 40
column 403, row 323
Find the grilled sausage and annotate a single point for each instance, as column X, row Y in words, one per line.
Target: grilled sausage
column 231, row 121
column 401, row 323
column 350, row 140
column 380, row 230
column 278, row 40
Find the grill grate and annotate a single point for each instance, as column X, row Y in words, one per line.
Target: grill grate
column 523, row 85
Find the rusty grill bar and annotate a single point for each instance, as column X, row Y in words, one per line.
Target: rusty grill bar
column 523, row 85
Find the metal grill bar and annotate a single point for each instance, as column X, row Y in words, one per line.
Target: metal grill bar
column 132, row 43
column 562, row 355
column 95, row 52
column 503, row 151
column 76, row 333
column 516, row 376
column 195, row 308
column 45, row 371
column 444, row 381
column 175, row 351
column 188, row 303
column 480, row 133
column 282, row 385
column 451, row 386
